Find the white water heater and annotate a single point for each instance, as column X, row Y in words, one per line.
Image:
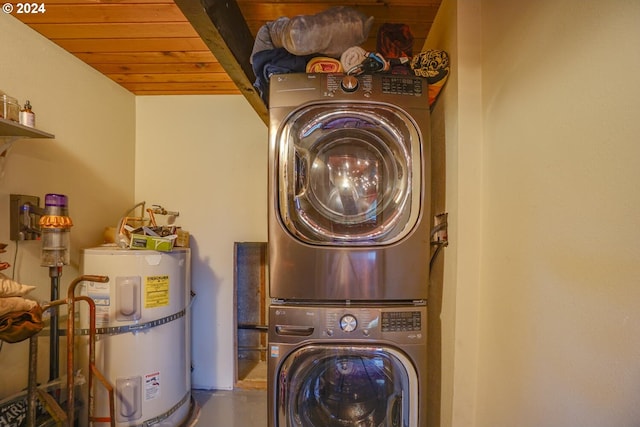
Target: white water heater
column 143, row 344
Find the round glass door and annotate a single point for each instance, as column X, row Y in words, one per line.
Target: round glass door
column 335, row 386
column 349, row 174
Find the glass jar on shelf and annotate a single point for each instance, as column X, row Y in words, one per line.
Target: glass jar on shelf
column 9, row 107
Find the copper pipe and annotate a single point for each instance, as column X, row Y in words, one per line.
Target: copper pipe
column 112, row 406
column 93, row 370
column 92, row 348
column 71, row 337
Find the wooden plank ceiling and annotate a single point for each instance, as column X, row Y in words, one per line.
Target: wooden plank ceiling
column 162, row 47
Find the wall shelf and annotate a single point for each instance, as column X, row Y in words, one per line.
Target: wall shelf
column 14, row 129
column 11, row 131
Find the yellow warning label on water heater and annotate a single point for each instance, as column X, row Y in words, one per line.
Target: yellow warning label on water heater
column 156, row 291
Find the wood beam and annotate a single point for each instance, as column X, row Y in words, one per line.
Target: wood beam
column 224, row 30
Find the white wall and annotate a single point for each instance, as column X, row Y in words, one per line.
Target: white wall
column 206, row 156
column 559, row 305
column 540, row 318
column 91, row 160
column 457, row 31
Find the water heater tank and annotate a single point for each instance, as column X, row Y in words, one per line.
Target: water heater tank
column 143, row 345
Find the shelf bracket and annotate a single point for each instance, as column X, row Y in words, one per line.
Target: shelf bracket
column 6, row 144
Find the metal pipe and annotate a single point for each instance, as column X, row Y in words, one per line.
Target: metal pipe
column 54, row 340
column 33, row 369
column 33, row 384
column 71, row 338
column 93, row 370
column 92, row 349
column 112, row 406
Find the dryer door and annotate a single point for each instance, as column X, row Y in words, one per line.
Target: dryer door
column 349, row 174
column 337, row 386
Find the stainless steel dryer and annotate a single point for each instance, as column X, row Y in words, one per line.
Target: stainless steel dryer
column 336, row 366
column 348, row 187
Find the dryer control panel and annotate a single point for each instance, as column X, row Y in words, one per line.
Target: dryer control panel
column 295, row 89
column 340, row 83
column 402, row 85
column 389, row 85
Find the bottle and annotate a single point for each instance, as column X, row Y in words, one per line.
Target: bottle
column 27, row 117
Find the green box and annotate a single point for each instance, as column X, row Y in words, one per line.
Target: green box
column 153, row 243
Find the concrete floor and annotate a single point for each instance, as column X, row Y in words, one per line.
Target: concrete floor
column 245, row 406
column 236, row 408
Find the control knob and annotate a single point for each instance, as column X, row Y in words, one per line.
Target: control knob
column 348, row 323
column 349, row 83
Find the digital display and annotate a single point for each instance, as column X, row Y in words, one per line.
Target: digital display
column 401, row 85
column 401, row 321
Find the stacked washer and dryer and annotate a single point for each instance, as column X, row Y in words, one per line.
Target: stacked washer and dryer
column 349, row 246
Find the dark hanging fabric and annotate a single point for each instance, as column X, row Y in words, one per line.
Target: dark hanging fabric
column 395, row 41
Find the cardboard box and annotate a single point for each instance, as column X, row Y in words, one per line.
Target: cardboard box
column 153, row 243
column 182, row 241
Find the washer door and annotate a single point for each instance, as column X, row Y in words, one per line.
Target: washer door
column 349, row 174
column 337, row 386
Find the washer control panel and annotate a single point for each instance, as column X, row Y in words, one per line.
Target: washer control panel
column 398, row 323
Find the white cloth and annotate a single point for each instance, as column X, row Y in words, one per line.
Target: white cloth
column 352, row 57
column 9, row 288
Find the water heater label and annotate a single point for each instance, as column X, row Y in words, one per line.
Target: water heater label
column 100, row 293
column 156, row 291
column 151, row 386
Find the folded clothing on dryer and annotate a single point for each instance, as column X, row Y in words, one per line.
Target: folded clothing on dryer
column 324, row 64
column 395, row 41
column 287, row 44
column 352, row 57
column 434, row 66
column 275, row 61
column 327, row 33
column 312, row 44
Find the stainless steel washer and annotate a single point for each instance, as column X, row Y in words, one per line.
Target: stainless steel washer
column 346, row 365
